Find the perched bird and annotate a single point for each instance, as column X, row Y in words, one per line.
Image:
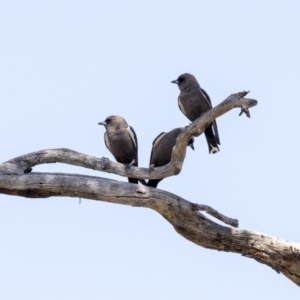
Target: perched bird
column 193, row 101
column 162, row 148
column 120, row 139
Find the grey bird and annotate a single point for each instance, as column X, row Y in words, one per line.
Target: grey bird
column 162, row 148
column 193, row 101
column 120, row 139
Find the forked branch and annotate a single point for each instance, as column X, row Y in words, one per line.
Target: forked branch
column 25, row 163
column 184, row 216
column 16, row 178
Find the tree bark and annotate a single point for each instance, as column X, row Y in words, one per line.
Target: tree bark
column 16, row 178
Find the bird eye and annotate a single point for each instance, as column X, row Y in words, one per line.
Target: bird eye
column 108, row 120
column 181, row 79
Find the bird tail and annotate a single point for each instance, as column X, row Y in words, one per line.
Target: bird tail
column 212, row 140
column 215, row 127
column 133, row 180
column 153, row 183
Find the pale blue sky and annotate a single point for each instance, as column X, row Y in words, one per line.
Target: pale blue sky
column 67, row 65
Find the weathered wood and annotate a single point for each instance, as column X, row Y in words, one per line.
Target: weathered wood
column 280, row 255
column 16, row 178
column 26, row 162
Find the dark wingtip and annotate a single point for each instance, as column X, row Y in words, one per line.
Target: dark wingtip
column 143, row 182
column 192, row 146
column 153, row 183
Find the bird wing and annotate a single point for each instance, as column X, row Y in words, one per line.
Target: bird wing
column 154, row 144
column 106, row 141
column 215, row 127
column 133, row 136
column 180, row 107
column 214, row 122
column 205, row 95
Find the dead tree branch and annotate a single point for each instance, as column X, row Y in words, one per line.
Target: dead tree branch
column 25, row 163
column 184, row 216
column 16, row 178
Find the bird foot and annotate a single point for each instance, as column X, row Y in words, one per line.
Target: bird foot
column 104, row 163
column 104, row 159
column 187, row 126
column 151, row 168
column 131, row 164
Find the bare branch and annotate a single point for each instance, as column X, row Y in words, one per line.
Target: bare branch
column 280, row 255
column 24, row 164
column 16, row 179
column 198, row 126
column 216, row 214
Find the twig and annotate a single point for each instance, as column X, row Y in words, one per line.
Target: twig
column 216, row 214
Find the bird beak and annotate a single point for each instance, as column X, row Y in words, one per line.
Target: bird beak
column 192, row 146
column 102, row 123
column 175, row 81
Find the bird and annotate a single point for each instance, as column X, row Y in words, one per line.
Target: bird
column 162, row 148
column 120, row 139
column 193, row 101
